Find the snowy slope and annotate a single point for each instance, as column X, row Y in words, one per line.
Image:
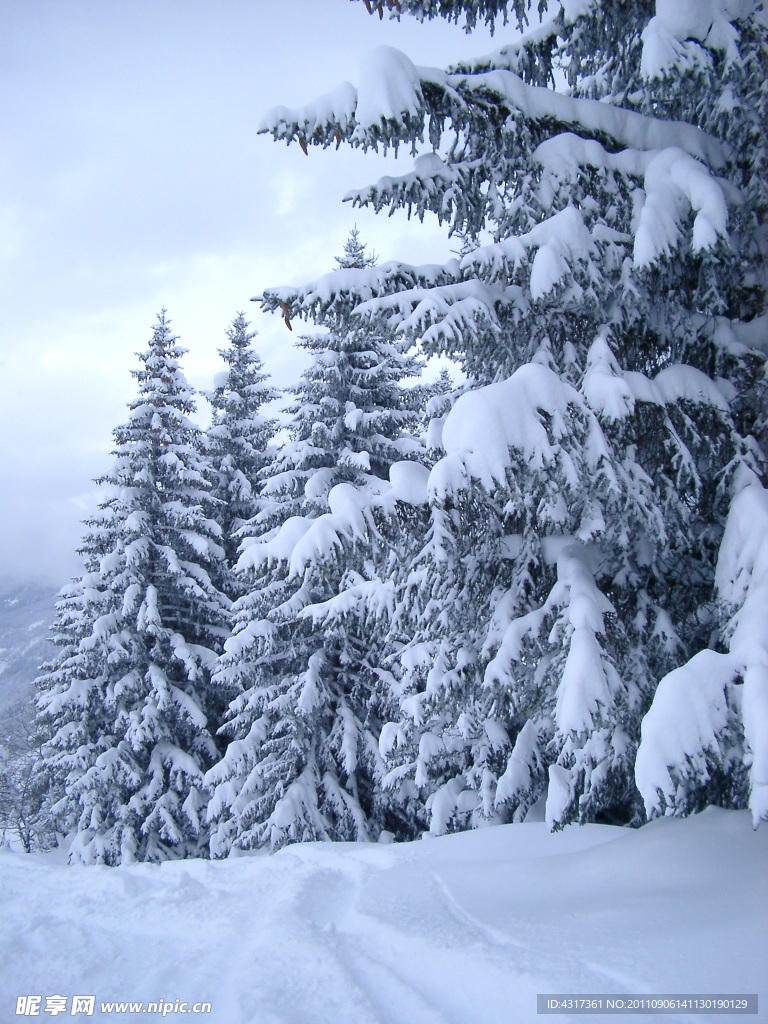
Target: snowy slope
column 26, row 614
column 464, row 929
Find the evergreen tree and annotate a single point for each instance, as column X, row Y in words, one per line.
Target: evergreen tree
column 127, row 709
column 607, row 308
column 25, row 806
column 239, row 436
column 355, row 257
column 303, row 760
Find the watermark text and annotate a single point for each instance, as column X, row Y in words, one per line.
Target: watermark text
column 52, row 1006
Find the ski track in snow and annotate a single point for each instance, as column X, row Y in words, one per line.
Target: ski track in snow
column 465, row 929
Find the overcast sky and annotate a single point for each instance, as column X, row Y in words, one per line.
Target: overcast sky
column 131, row 178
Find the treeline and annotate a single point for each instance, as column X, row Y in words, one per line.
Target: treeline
column 433, row 609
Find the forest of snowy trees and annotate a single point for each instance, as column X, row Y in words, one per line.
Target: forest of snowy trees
column 407, row 607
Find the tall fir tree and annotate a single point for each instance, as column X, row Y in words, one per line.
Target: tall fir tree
column 238, row 439
column 303, row 761
column 608, row 309
column 128, row 709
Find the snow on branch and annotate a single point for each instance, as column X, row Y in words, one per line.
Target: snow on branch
column 674, row 183
column 688, row 714
column 735, row 336
column 389, row 91
column 696, row 706
column 742, row 583
column 673, row 180
column 443, row 314
column 352, row 286
column 391, row 104
column 612, row 392
column 523, row 764
column 431, row 179
column 490, row 428
column 509, row 56
column 302, row 541
column 589, row 679
column 622, row 127
column 451, row 10
column 377, row 597
column 559, row 241
column 678, row 37
column 565, row 154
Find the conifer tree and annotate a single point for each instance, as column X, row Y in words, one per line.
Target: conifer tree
column 25, row 805
column 239, row 436
column 355, row 257
column 608, row 310
column 303, row 761
column 127, row 709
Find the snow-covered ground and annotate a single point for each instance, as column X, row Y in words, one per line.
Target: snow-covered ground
column 464, row 929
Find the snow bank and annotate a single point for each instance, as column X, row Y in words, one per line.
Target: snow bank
column 464, row 929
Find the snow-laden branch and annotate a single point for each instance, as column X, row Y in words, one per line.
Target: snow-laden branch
column 489, row 428
column 698, row 704
column 623, row 127
column 392, row 101
column 510, row 55
column 680, row 35
column 302, row 541
column 559, row 242
column 443, row 314
column 612, row 392
column 354, row 286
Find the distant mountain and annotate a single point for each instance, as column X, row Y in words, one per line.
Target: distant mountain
column 26, row 614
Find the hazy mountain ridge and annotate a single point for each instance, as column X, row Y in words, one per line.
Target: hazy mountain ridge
column 26, row 614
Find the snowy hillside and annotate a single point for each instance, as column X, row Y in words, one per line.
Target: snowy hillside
column 26, row 614
column 463, row 929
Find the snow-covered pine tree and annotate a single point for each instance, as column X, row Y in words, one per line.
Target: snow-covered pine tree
column 303, row 761
column 355, row 257
column 127, row 709
column 238, row 438
column 608, row 309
